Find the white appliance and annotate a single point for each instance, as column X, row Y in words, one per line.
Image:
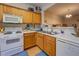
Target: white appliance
column 45, row 28
column 66, row 48
column 7, row 18
column 11, row 42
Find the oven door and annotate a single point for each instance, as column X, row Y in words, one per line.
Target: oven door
column 11, row 41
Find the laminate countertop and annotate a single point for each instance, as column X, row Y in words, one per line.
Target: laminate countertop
column 63, row 37
column 28, row 31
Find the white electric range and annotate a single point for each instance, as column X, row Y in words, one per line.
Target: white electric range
column 11, row 41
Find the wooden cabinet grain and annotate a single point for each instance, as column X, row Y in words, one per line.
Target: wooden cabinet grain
column 37, row 18
column 27, row 17
column 39, row 40
column 29, row 40
column 1, row 12
column 46, row 43
column 7, row 9
column 12, row 10
column 50, row 45
column 16, row 11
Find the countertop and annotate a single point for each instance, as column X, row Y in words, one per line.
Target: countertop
column 64, row 37
column 28, row 31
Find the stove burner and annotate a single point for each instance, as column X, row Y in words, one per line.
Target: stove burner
column 18, row 32
column 8, row 32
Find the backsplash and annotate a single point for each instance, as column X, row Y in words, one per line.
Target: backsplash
column 29, row 26
column 66, row 30
column 14, row 25
column 46, row 28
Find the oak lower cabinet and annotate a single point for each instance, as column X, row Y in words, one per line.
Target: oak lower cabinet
column 29, row 40
column 46, row 43
column 50, row 45
column 39, row 40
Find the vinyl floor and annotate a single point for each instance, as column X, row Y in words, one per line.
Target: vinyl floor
column 35, row 51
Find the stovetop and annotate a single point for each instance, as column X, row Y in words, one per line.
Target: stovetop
column 9, row 32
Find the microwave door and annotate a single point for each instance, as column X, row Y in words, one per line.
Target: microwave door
column 11, row 19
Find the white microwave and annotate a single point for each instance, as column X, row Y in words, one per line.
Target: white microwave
column 7, row 18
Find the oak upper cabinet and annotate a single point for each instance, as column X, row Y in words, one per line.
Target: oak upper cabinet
column 29, row 40
column 1, row 12
column 27, row 15
column 50, row 45
column 7, row 9
column 15, row 11
column 39, row 40
column 12, row 10
column 37, row 18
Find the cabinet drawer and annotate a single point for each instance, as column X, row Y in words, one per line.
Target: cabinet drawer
column 29, row 34
column 49, row 38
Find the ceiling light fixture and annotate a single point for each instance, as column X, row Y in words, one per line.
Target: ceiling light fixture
column 69, row 15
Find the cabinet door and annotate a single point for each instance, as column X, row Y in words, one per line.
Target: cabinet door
column 39, row 40
column 50, row 45
column 27, row 17
column 45, row 45
column 26, row 42
column 12, row 10
column 36, row 18
column 16, row 11
column 1, row 12
column 7, row 9
column 20, row 12
column 33, row 38
column 29, row 40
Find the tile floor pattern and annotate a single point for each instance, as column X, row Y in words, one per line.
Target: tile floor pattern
column 35, row 51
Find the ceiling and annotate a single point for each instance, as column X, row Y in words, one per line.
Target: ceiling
column 40, row 4
column 61, row 9
column 44, row 6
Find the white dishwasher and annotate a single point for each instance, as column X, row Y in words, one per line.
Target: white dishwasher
column 66, row 48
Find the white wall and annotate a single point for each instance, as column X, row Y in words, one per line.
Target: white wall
column 45, row 7
column 21, row 5
column 42, row 15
